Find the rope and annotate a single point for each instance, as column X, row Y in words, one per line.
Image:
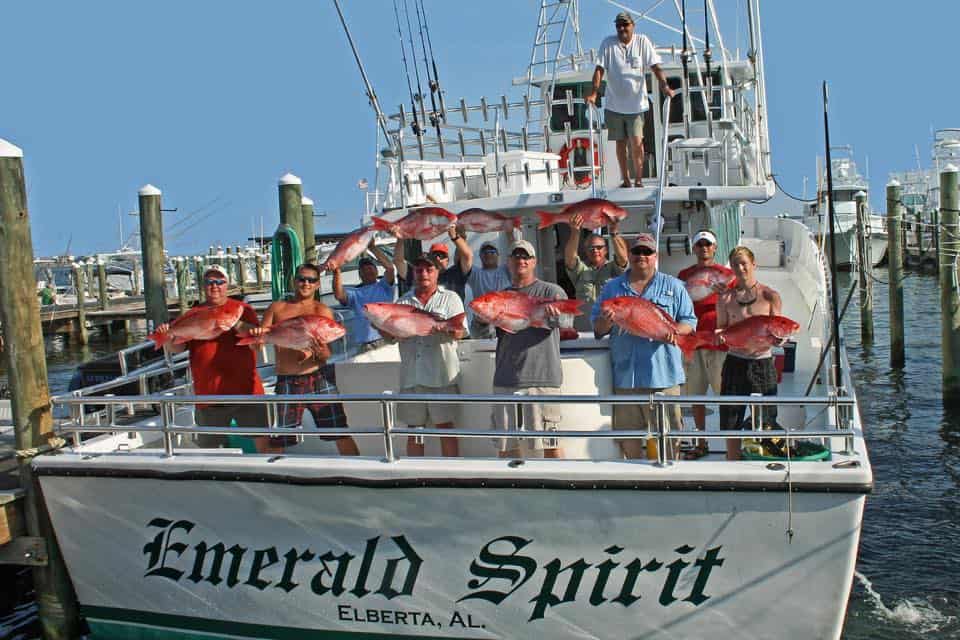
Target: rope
column 52, row 444
column 286, row 254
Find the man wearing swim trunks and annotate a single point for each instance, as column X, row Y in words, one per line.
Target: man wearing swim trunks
column 307, row 372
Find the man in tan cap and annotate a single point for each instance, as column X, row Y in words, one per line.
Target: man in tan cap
column 624, row 60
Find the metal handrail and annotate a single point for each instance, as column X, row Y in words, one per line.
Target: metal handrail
column 662, row 171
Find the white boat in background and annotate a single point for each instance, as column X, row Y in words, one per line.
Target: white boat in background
column 164, row 539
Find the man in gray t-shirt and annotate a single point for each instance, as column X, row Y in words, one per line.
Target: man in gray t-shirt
column 529, row 362
column 490, row 277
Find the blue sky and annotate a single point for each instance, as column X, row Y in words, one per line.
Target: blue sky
column 213, row 101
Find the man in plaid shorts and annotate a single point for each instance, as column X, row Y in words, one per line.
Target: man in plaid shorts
column 307, row 372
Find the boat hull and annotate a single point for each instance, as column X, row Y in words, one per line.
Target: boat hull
column 454, row 559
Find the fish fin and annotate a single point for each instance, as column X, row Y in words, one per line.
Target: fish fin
column 517, row 222
column 248, row 339
column 381, row 224
column 457, row 321
column 159, row 339
column 688, row 344
column 178, row 340
column 547, row 219
column 571, row 307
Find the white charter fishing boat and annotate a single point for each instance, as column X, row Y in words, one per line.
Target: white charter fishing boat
column 164, row 539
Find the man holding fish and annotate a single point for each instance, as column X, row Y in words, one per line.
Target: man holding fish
column 528, row 317
column 647, row 314
column 428, row 332
column 371, row 289
column 219, row 365
column 704, row 282
column 300, row 329
column 590, row 276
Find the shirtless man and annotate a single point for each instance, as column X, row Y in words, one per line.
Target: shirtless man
column 746, row 372
column 304, row 372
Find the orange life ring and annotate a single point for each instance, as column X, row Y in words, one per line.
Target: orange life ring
column 578, row 143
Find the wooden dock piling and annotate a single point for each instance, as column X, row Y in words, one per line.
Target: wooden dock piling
column 895, row 272
column 258, row 259
column 27, row 370
column 291, row 212
column 78, row 284
column 866, row 264
column 309, row 234
column 949, row 298
column 151, row 248
column 103, row 297
column 183, row 279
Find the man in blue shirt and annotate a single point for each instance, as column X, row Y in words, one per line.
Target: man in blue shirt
column 371, row 289
column 642, row 366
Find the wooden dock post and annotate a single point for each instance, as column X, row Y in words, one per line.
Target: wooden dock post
column 198, row 276
column 78, row 284
column 183, row 279
column 89, row 277
column 151, row 248
column 290, row 208
column 309, row 234
column 104, row 299
column 135, row 276
column 866, row 264
column 258, row 259
column 895, row 272
column 949, row 298
column 27, row 370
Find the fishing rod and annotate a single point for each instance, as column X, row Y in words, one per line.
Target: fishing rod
column 434, row 119
column 433, row 61
column 406, row 68
column 684, row 59
column 707, row 55
column 371, row 94
column 416, row 69
column 833, row 249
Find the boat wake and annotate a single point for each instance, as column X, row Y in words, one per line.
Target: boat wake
column 917, row 614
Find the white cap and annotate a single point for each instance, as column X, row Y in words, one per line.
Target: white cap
column 704, row 235
column 218, row 269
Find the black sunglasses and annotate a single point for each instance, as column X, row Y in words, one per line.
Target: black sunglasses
column 307, row 279
column 521, row 255
column 642, row 251
column 489, row 250
column 215, row 281
column 439, row 255
column 703, row 243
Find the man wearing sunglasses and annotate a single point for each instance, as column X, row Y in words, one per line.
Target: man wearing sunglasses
column 528, row 362
column 371, row 289
column 490, row 277
column 452, row 277
column 703, row 371
column 589, row 276
column 430, row 364
column 624, row 60
column 642, row 366
column 220, row 367
column 306, row 372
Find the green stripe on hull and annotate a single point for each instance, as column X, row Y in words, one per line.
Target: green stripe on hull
column 108, row 623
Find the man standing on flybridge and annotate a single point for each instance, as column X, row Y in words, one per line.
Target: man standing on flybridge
column 624, row 60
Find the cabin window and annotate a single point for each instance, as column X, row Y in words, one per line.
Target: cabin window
column 559, row 114
column 696, row 102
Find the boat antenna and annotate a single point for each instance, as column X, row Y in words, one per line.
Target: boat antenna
column 371, row 94
column 684, row 59
column 707, row 55
column 433, row 61
column 406, row 68
column 416, row 69
column 835, row 301
column 431, row 82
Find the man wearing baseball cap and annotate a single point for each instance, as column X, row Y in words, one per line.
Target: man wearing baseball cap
column 642, row 366
column 624, row 60
column 491, row 276
column 453, row 277
column 703, row 371
column 371, row 289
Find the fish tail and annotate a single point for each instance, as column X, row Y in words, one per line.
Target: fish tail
column 248, row 339
column 571, row 307
column 517, row 222
column 380, row 224
column 159, row 339
column 548, row 219
column 688, row 344
column 457, row 322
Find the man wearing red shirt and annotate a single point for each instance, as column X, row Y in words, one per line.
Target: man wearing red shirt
column 220, row 367
column 703, row 370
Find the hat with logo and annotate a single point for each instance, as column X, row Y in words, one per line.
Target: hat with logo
column 645, row 240
column 525, row 245
column 216, row 268
column 489, row 247
column 427, row 258
column 624, row 16
column 704, row 234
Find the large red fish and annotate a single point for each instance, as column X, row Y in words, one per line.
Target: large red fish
column 514, row 311
column 302, row 333
column 482, row 221
column 425, row 223
column 349, row 248
column 756, row 334
column 405, row 321
column 701, row 281
column 203, row 322
column 595, row 213
column 642, row 318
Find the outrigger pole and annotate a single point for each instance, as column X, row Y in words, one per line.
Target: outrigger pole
column 835, row 302
column 371, row 94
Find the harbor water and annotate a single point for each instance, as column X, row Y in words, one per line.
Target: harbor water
column 907, row 583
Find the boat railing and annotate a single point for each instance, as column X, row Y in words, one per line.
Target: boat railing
column 840, row 418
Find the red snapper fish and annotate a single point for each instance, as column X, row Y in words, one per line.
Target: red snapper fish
column 349, row 248
column 641, row 317
column 203, row 322
column 756, row 334
column 405, row 321
column 701, row 281
column 482, row 221
column 514, row 311
column 595, row 213
column 302, row 333
column 425, row 223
